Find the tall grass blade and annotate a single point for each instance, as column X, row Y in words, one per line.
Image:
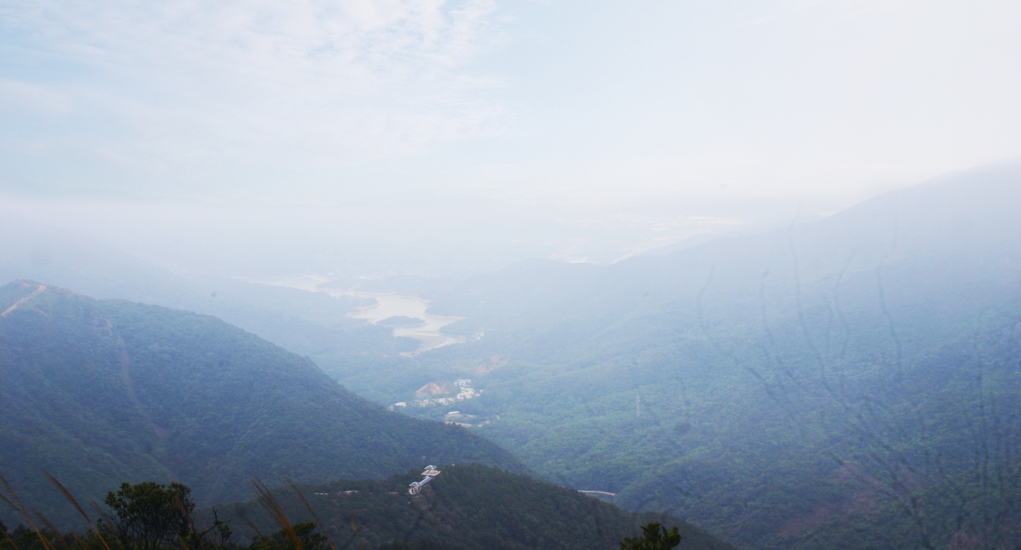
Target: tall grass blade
column 311, row 511
column 354, row 522
column 24, row 511
column 56, row 533
column 244, row 517
column 8, row 536
column 109, row 523
column 267, row 501
column 70, row 498
column 184, row 510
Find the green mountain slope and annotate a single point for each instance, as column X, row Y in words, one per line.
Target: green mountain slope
column 101, row 392
column 469, row 507
column 766, row 379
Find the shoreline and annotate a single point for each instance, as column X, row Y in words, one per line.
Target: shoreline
column 387, row 304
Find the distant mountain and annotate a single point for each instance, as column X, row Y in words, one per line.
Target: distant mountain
column 847, row 381
column 100, row 392
column 304, row 322
column 467, row 507
column 768, row 379
column 953, row 241
column 39, row 252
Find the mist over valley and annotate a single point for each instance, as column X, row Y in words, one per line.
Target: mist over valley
column 505, row 275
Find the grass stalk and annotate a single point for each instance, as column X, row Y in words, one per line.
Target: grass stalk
column 74, row 502
column 265, row 498
column 8, row 537
column 311, row 511
column 244, row 517
column 354, row 522
column 194, row 530
column 63, row 543
column 109, row 523
column 24, row 511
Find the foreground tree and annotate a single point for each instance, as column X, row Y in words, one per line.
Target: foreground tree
column 655, row 538
column 150, row 515
column 25, row 538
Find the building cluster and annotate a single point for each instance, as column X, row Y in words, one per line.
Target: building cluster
column 463, row 387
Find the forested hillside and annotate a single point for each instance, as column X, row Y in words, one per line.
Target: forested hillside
column 468, row 507
column 770, row 388
column 100, row 392
column 852, row 380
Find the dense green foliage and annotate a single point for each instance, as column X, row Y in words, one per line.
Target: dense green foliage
column 829, row 377
column 851, row 382
column 468, row 507
column 146, row 516
column 97, row 392
column 653, row 537
column 150, row 516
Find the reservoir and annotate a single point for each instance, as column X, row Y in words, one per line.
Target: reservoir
column 387, row 305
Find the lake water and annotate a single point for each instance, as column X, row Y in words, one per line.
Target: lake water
column 387, row 305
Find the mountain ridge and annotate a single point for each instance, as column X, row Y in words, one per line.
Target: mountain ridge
column 104, row 391
column 752, row 369
column 472, row 507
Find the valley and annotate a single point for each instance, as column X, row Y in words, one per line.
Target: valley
column 510, row 275
column 852, row 380
column 143, row 392
column 740, row 382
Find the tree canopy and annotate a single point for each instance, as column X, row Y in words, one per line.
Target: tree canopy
column 654, row 537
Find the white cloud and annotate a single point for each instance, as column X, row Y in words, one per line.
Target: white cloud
column 16, row 94
column 323, row 82
column 590, row 102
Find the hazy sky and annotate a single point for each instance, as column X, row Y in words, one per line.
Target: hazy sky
column 311, row 100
